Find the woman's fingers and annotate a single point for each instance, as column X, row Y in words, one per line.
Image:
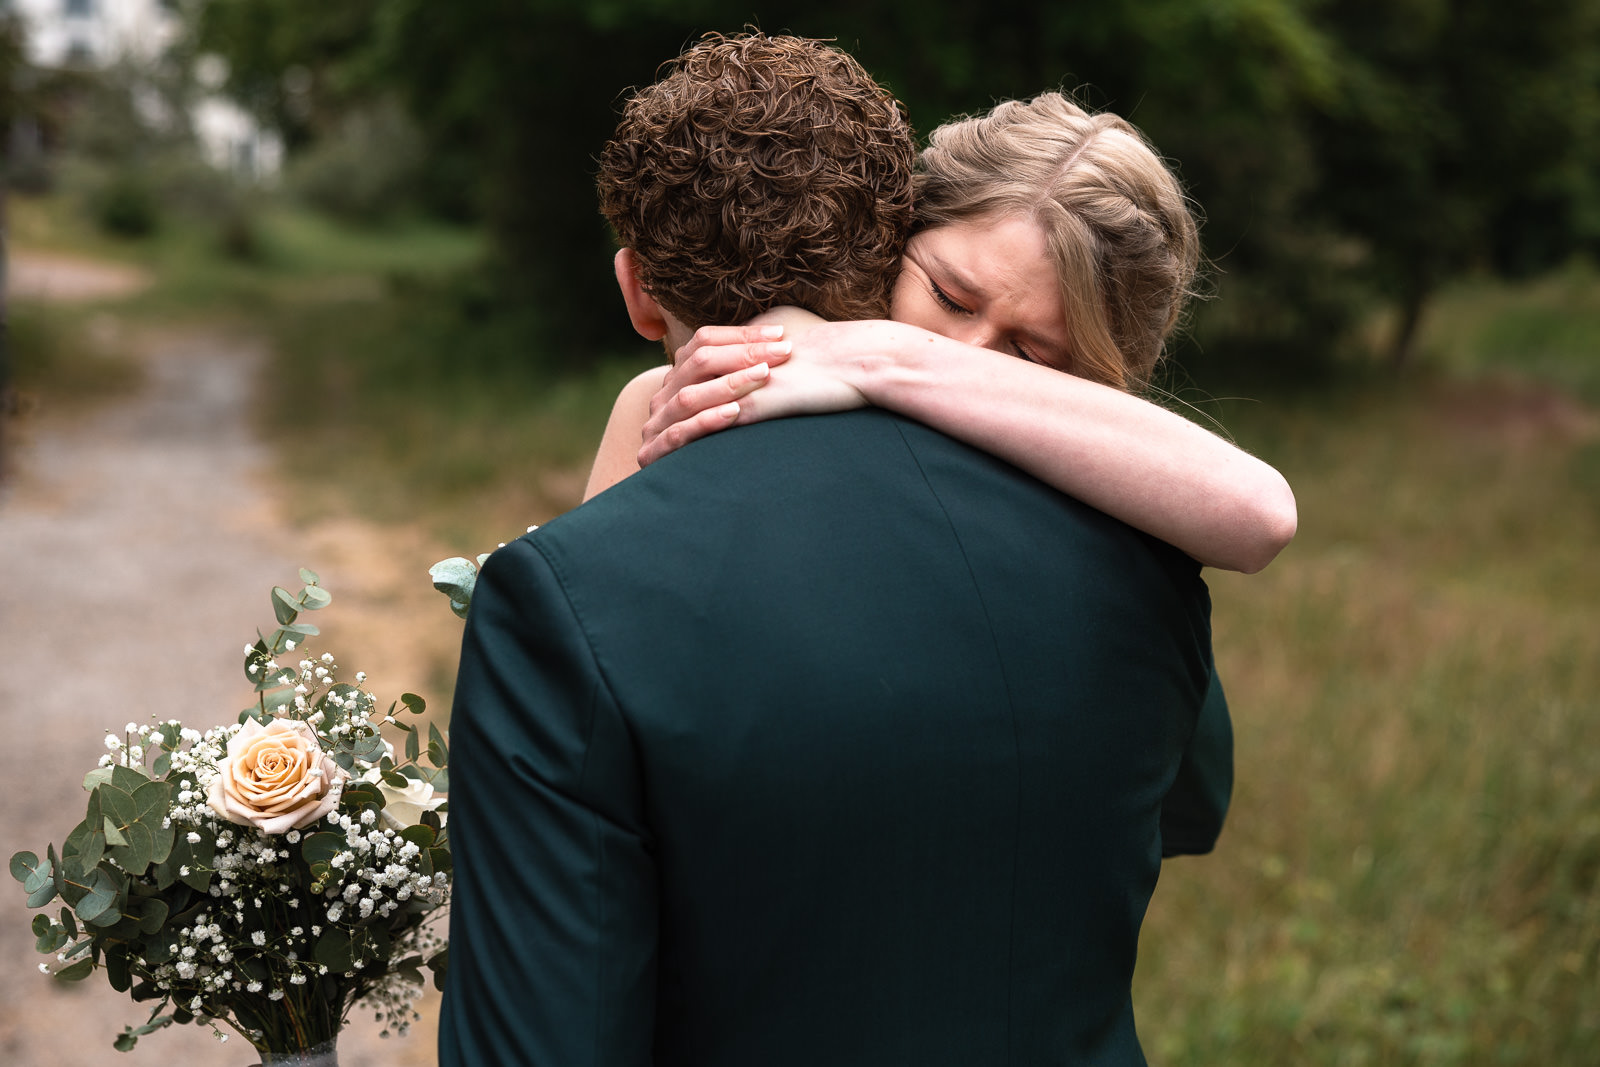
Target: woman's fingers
column 718, row 350
column 691, row 429
column 721, row 336
column 675, row 403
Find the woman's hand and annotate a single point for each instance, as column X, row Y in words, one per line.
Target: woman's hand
column 734, row 375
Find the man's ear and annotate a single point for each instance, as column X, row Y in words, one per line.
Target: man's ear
column 643, row 311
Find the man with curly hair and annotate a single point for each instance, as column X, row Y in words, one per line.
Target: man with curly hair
column 791, row 747
column 761, row 172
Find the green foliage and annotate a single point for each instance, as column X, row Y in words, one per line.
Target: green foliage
column 456, row 578
column 368, row 172
column 125, row 205
column 1344, row 155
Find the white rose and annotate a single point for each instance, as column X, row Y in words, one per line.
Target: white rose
column 276, row 778
column 405, row 806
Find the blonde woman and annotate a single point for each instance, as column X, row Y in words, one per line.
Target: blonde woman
column 1047, row 240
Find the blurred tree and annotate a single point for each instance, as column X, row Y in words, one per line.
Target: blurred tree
column 296, row 64
column 12, row 60
column 1339, row 150
column 1463, row 136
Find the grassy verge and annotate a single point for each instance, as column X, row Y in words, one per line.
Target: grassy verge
column 389, row 408
column 1411, row 872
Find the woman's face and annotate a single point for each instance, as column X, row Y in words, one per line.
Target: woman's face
column 989, row 282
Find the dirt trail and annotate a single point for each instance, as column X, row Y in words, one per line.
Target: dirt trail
column 138, row 543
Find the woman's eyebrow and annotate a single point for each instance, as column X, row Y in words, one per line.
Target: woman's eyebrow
column 959, row 278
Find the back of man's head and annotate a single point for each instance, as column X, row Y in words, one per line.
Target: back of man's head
column 762, row 171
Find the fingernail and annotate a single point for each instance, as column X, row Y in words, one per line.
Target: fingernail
column 781, row 348
column 760, row 371
column 730, row 410
column 772, row 333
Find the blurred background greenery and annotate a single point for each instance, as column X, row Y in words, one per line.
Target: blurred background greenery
column 1402, row 211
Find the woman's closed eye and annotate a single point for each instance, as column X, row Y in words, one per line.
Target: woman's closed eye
column 945, row 301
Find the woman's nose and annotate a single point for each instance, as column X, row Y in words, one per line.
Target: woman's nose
column 980, row 335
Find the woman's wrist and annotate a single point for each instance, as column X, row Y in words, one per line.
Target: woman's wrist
column 884, row 359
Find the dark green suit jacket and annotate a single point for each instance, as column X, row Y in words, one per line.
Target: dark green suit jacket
column 826, row 742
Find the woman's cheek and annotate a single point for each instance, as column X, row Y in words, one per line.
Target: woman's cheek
column 910, row 304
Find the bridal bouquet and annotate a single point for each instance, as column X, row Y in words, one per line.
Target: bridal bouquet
column 268, row 874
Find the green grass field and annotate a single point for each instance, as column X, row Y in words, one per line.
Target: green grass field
column 1411, row 870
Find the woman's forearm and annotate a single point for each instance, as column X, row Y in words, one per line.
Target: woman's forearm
column 1140, row 463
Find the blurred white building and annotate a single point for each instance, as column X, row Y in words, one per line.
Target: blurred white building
column 97, row 33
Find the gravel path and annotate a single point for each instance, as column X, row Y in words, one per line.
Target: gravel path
column 138, row 543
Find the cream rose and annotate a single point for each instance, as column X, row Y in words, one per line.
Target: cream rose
column 276, row 778
column 405, row 806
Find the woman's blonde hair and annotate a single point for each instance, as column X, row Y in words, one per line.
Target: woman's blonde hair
column 1124, row 241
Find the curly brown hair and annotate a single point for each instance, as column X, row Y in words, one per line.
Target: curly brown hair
column 762, row 171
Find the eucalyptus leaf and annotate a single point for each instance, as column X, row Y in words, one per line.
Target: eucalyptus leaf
column 117, row 971
column 315, row 599
column 69, row 922
column 363, row 794
column 87, row 841
column 281, row 698
column 128, row 779
column 152, row 915
column 414, row 704
column 335, row 951
column 98, row 907
column 77, row 972
column 23, row 864
column 309, row 576
column 284, row 608
column 275, row 678
column 370, row 748
column 158, row 950
column 152, row 800
column 419, row 835
column 197, row 857
column 318, row 851
column 113, row 835
column 438, row 749
column 301, row 630
column 51, row 940
column 456, row 578
column 96, row 778
column 439, row 964
column 413, row 743
column 136, row 856
column 40, row 883
column 256, row 657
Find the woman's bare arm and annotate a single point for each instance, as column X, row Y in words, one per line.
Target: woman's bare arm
column 1138, row 462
